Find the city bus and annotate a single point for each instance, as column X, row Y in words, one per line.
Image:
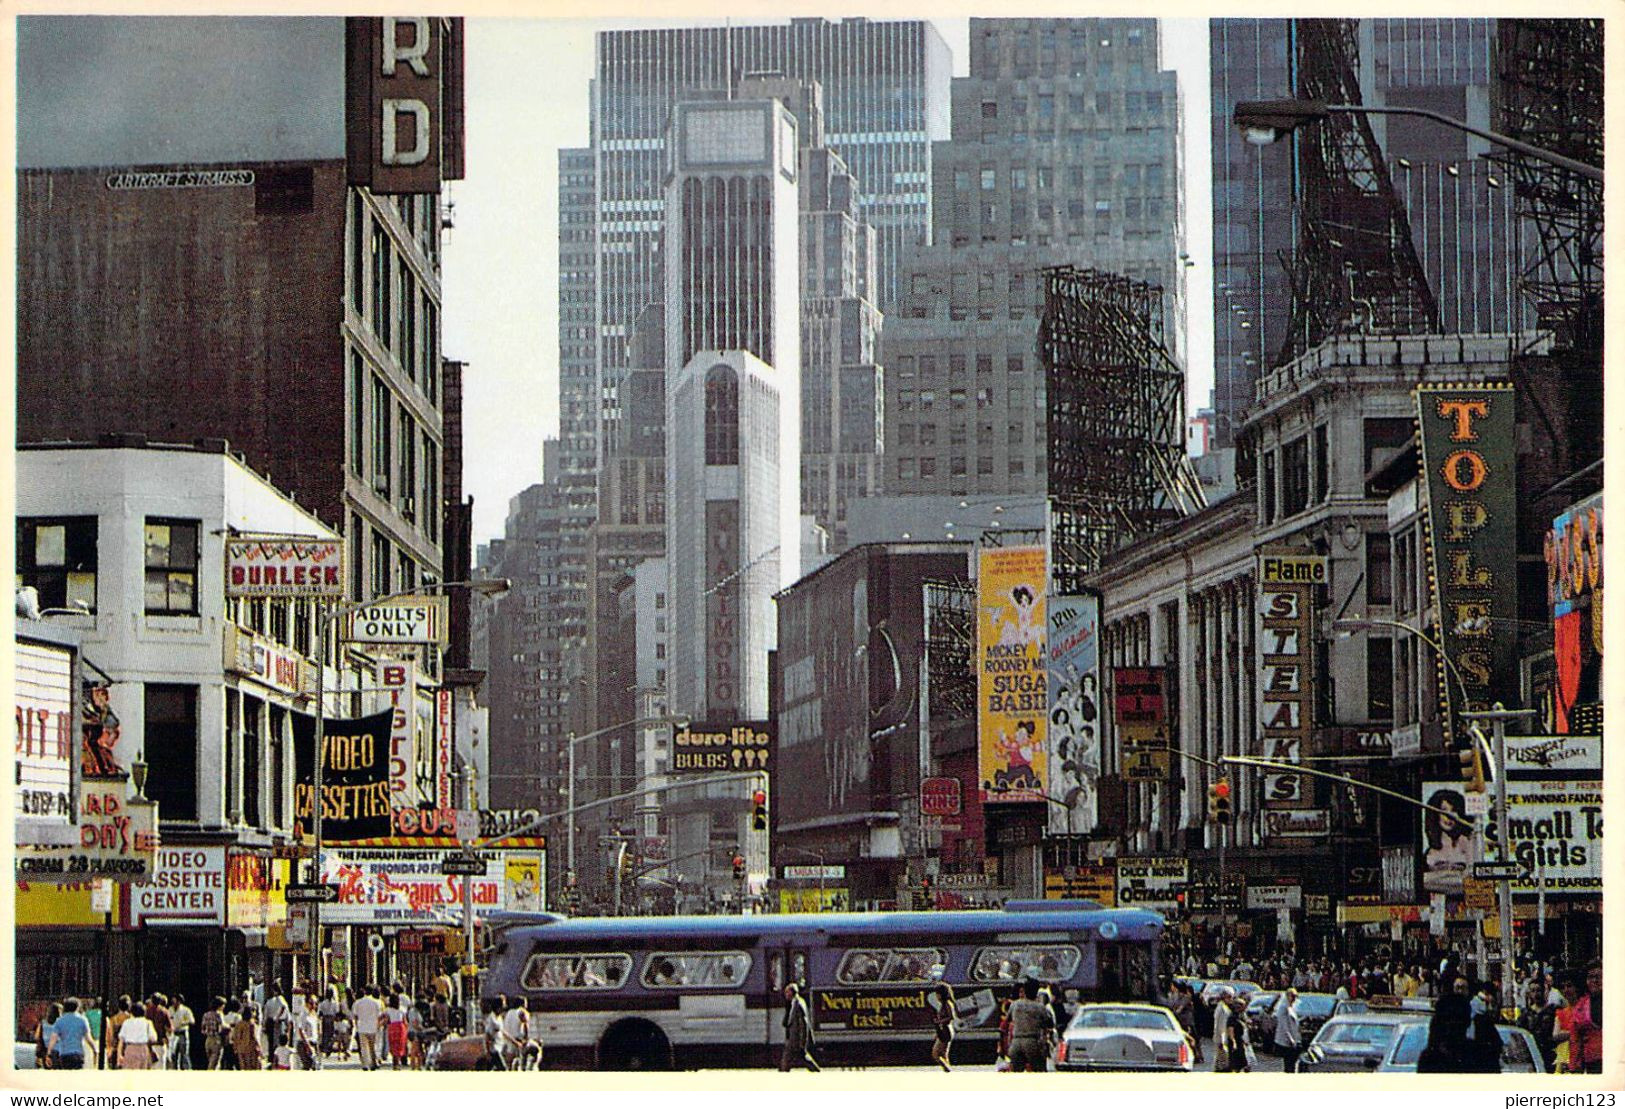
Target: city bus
column 630, row 993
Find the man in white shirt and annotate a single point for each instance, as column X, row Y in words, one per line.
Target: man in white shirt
column 181, row 1020
column 516, row 1033
column 366, row 1013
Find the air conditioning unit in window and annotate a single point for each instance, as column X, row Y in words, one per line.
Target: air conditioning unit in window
column 380, row 485
column 408, row 507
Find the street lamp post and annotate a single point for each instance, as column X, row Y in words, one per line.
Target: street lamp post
column 326, row 615
column 1265, row 121
column 570, row 784
column 1498, row 717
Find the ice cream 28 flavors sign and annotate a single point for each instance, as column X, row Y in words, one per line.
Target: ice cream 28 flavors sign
column 1012, row 688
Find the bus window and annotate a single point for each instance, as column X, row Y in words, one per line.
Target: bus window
column 576, row 972
column 798, row 967
column 1125, row 972
column 707, row 969
column 909, row 964
column 775, row 971
column 1045, row 962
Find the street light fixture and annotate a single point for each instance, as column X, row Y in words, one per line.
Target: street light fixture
column 1265, row 121
column 570, row 785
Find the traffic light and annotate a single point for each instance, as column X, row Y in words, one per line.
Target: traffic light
column 923, row 896
column 739, row 868
column 1218, row 801
column 758, row 812
column 1472, row 768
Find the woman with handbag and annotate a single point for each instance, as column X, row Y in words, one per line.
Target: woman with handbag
column 138, row 1040
column 42, row 1038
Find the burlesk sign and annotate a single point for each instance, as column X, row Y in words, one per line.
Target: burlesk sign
column 284, row 567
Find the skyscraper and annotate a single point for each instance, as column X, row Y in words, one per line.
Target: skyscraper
column 885, row 88
column 1462, row 220
column 733, row 425
column 1065, row 150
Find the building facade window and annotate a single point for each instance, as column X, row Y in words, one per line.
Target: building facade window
column 253, row 743
column 381, row 413
column 169, row 728
column 171, row 565
column 721, row 417
column 1379, row 569
column 57, row 556
column 1379, row 678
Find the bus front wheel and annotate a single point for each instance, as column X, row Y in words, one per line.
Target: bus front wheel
column 634, row 1045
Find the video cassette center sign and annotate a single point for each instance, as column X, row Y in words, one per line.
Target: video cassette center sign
column 1287, row 581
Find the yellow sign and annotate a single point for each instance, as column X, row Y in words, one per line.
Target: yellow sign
column 1477, row 894
column 831, row 900
column 1095, row 883
column 1012, row 689
column 60, row 904
column 523, row 874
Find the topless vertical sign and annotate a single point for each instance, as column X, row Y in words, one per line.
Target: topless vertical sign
column 1012, row 690
column 1468, row 435
column 1287, row 581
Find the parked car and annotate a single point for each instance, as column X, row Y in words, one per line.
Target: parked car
column 1244, row 989
column 1519, row 1052
column 1357, row 1041
column 1260, row 1019
column 1383, row 1003
column 1123, row 1037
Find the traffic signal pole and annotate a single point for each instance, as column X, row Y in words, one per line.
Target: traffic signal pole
column 1498, row 717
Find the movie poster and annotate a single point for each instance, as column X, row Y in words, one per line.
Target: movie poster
column 1011, row 685
column 1074, row 711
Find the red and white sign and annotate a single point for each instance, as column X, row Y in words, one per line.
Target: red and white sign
column 47, row 735
column 940, row 796
column 400, row 679
column 188, row 887
column 284, row 568
column 443, row 741
column 380, row 886
column 263, row 660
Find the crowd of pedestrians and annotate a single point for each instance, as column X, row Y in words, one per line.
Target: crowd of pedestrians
column 261, row 1028
column 1561, row 1009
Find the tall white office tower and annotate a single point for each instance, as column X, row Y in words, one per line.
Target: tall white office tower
column 733, row 428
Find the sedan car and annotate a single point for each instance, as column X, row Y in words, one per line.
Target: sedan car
column 1244, row 990
column 1260, row 1018
column 1123, row 1037
column 1357, row 1041
column 1519, row 1052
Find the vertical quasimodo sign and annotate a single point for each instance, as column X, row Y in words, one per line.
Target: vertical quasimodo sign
column 404, row 126
column 1467, row 433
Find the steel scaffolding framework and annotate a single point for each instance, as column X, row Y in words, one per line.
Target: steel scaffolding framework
column 950, row 650
column 1549, row 88
column 1116, row 421
column 1355, row 269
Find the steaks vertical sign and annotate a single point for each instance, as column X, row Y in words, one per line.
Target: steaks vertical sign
column 1468, row 435
column 1287, row 581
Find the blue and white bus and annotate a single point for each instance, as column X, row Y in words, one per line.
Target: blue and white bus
column 619, row 993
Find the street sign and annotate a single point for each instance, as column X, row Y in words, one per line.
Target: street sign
column 462, row 864
column 468, row 826
column 1497, row 872
column 101, row 896
column 326, row 894
column 405, row 620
